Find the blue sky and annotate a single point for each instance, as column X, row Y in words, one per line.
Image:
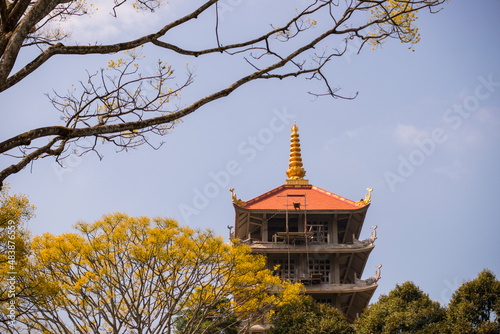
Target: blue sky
column 423, row 132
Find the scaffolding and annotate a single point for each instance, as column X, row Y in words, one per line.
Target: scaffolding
column 308, row 234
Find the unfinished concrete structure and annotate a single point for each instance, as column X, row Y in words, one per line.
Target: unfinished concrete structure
column 312, row 234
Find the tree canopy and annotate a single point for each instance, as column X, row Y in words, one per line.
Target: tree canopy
column 306, row 315
column 123, row 103
column 123, row 274
column 475, row 306
column 406, row 309
column 473, row 309
column 15, row 212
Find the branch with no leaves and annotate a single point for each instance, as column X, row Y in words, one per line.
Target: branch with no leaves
column 122, row 105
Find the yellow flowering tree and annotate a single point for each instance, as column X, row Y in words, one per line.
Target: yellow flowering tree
column 127, row 100
column 15, row 211
column 124, row 274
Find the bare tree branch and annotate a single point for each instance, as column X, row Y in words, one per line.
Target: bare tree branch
column 121, row 105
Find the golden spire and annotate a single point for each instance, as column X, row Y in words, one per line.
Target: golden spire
column 295, row 171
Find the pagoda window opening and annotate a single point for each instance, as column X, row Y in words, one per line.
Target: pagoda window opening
column 342, row 223
column 324, row 300
column 319, row 230
column 277, row 228
column 286, row 270
column 320, row 269
column 255, row 234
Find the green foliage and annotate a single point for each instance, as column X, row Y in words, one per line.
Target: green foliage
column 475, row 306
column 220, row 319
column 406, row 309
column 308, row 316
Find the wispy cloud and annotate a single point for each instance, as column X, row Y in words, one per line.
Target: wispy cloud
column 346, row 136
column 488, row 115
column 356, row 132
column 101, row 26
column 453, row 171
column 409, row 134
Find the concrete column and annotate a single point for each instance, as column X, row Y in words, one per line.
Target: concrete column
column 334, row 234
column 337, row 301
column 300, row 221
column 265, row 228
column 301, row 267
column 336, row 269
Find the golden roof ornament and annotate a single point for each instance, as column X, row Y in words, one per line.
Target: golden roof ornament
column 295, row 170
column 235, row 199
column 368, row 196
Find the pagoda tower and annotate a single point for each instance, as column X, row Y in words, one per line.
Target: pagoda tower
column 312, row 234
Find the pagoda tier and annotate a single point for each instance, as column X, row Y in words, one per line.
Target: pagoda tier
column 351, row 299
column 298, row 201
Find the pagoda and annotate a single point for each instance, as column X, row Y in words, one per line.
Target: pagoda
column 313, row 235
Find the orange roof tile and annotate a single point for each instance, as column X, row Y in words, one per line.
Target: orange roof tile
column 315, row 198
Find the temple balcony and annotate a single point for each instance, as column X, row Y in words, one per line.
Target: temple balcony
column 265, row 247
column 369, row 284
column 361, row 285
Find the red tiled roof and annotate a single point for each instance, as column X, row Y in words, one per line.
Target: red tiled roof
column 315, row 198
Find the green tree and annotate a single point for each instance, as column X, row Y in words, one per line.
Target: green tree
column 226, row 322
column 305, row 315
column 123, row 274
column 123, row 103
column 406, row 309
column 475, row 306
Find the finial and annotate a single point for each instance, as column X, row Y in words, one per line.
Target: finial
column 377, row 273
column 295, row 170
column 231, row 234
column 235, row 199
column 373, row 234
column 367, row 200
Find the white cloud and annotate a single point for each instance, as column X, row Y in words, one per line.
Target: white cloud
column 345, row 136
column 408, row 134
column 453, row 171
column 473, row 138
column 488, row 116
column 101, row 26
column 355, row 132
